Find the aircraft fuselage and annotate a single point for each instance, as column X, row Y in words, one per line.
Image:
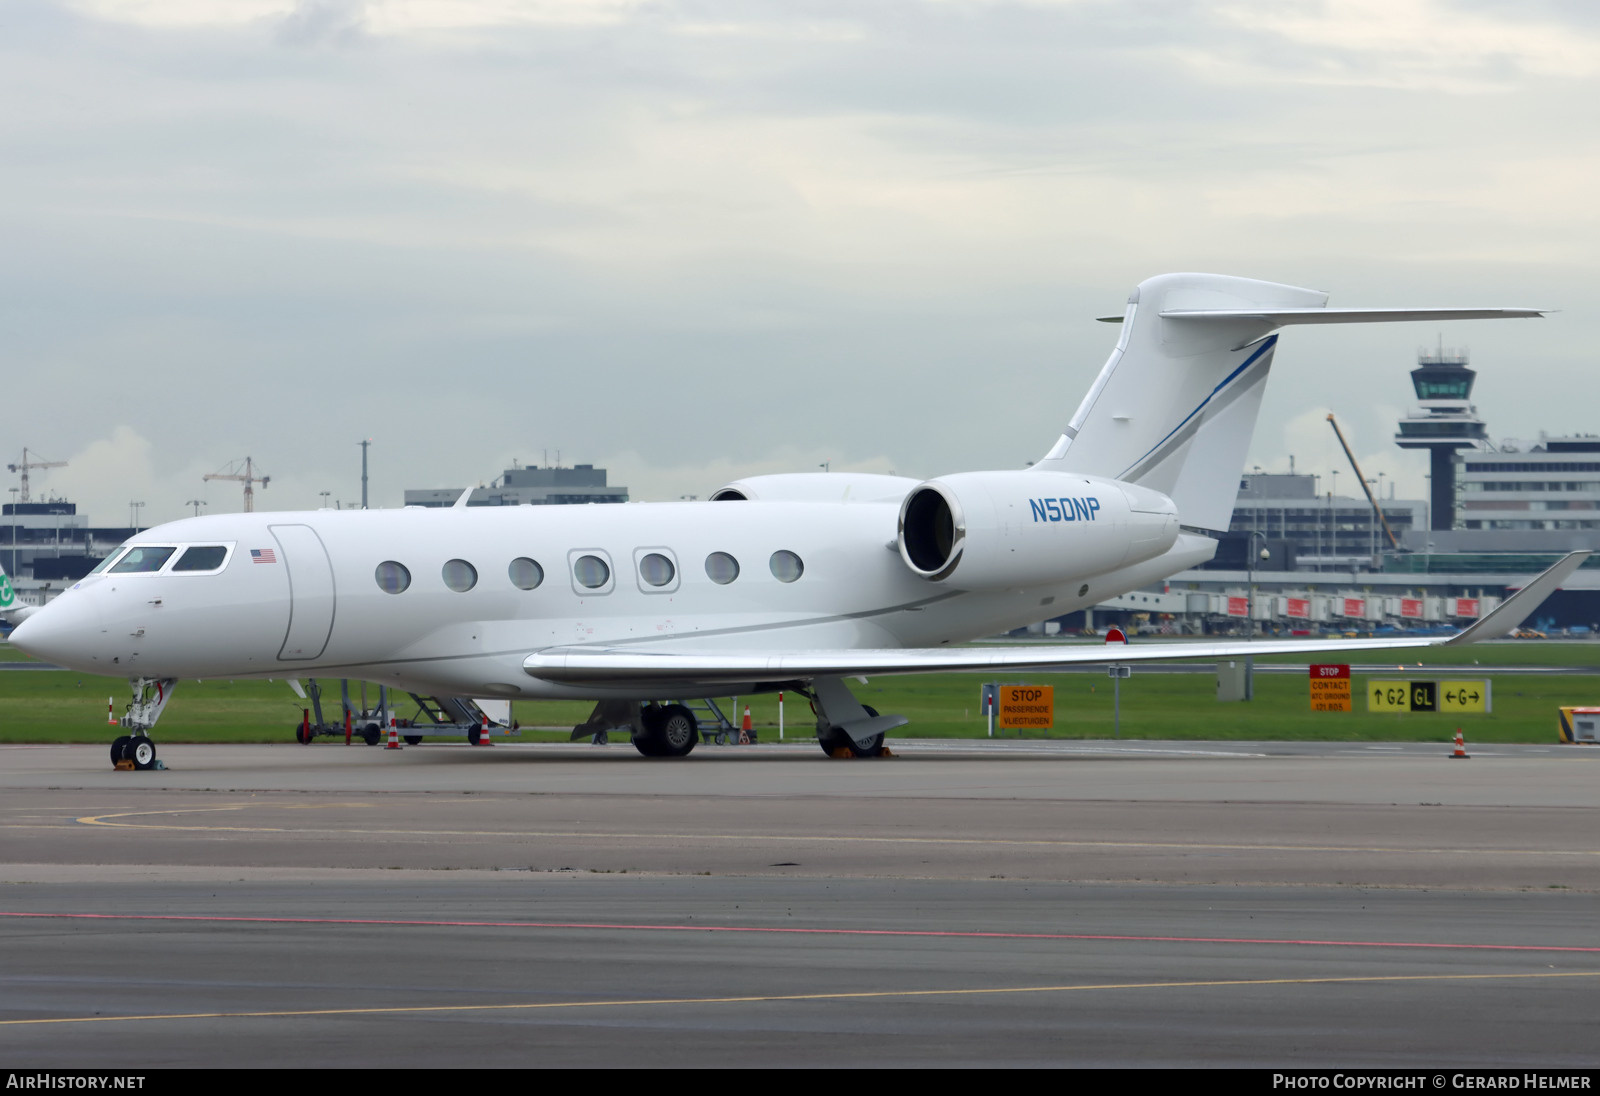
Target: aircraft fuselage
column 453, row 600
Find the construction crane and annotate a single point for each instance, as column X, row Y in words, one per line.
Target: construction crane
column 1376, row 509
column 248, row 477
column 27, row 464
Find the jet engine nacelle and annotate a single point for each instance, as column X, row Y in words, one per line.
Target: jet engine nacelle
column 981, row 530
column 817, row 487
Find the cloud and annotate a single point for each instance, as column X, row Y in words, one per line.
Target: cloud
column 694, row 239
column 324, row 22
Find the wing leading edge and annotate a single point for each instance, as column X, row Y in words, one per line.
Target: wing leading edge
column 619, row 665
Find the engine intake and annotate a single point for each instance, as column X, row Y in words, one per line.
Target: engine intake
column 933, row 531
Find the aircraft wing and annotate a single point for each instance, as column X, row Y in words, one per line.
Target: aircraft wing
column 615, row 665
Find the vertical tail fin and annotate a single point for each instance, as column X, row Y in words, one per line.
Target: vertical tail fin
column 12, row 611
column 1175, row 405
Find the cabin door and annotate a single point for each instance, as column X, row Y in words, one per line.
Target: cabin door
column 310, row 591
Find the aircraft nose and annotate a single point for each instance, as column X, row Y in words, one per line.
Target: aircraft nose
column 61, row 632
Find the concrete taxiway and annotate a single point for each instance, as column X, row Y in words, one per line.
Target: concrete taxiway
column 964, row 904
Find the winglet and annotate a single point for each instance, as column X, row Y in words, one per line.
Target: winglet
column 1515, row 609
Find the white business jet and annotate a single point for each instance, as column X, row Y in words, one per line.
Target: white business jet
column 777, row 582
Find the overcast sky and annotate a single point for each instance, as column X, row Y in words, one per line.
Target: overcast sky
column 693, row 240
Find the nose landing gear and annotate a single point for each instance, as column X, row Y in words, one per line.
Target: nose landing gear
column 137, row 750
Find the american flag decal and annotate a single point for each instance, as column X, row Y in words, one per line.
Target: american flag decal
column 263, row 555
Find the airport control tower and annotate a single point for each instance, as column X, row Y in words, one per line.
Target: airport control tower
column 1444, row 421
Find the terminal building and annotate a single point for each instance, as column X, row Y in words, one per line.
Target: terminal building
column 1306, row 531
column 519, row 486
column 47, row 546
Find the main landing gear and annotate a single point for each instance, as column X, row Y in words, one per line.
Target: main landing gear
column 670, row 731
column 137, row 750
column 846, row 727
column 657, row 730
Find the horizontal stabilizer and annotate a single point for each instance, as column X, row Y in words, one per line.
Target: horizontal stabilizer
column 1283, row 317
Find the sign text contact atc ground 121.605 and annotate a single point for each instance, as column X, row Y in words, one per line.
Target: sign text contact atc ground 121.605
column 1330, row 688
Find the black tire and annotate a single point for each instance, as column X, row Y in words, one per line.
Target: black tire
column 119, row 746
column 600, row 739
column 300, row 734
column 371, row 734
column 412, row 740
column 835, row 738
column 474, row 734
column 647, row 740
column 831, row 739
column 142, row 752
column 678, row 732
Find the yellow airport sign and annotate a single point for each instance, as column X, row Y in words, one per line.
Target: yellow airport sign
column 1454, row 697
column 1027, row 707
column 1464, row 696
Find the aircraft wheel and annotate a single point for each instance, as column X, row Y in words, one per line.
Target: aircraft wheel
column 412, row 739
column 677, row 732
column 142, row 752
column 474, row 733
column 872, row 748
column 834, row 738
column 831, row 739
column 119, row 746
column 300, row 734
column 648, row 740
column 371, row 734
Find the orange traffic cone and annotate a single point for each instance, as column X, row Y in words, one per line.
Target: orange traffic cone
column 394, row 738
column 744, row 728
column 483, row 732
column 1461, row 746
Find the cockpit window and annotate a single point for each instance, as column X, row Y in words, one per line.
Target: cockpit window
column 141, row 558
column 103, row 564
column 202, row 557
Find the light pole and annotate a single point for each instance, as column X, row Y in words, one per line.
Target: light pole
column 1372, row 525
column 1250, row 612
column 324, row 495
column 14, row 491
column 1333, row 516
column 197, row 503
column 133, row 514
